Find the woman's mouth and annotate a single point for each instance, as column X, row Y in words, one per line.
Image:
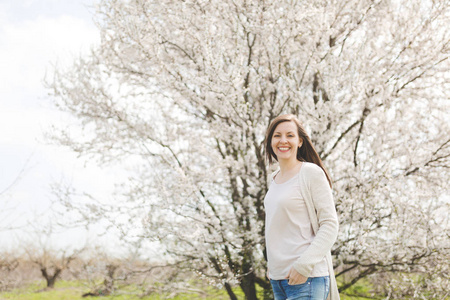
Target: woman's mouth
column 284, row 149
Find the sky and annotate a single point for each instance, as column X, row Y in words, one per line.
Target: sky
column 34, row 36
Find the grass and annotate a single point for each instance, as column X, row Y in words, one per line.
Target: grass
column 73, row 290
column 361, row 288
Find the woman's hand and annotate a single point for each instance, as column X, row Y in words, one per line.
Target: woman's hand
column 295, row 277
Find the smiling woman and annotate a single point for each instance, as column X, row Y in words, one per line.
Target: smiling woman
column 301, row 220
column 285, row 140
column 294, row 132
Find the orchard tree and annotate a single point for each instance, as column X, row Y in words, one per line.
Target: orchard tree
column 184, row 91
column 39, row 248
column 9, row 262
column 51, row 262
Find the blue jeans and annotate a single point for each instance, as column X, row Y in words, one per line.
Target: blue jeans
column 315, row 288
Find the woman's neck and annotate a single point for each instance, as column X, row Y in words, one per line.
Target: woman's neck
column 289, row 165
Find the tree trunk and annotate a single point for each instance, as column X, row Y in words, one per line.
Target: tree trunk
column 51, row 279
column 249, row 279
column 248, row 286
column 51, row 282
column 266, row 286
column 230, row 291
column 267, row 293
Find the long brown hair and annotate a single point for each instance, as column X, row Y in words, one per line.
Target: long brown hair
column 306, row 152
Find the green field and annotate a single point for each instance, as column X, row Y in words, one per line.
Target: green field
column 73, row 290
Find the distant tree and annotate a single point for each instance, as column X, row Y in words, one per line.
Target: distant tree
column 51, row 259
column 107, row 287
column 102, row 271
column 8, row 263
column 184, row 90
column 51, row 262
column 111, row 274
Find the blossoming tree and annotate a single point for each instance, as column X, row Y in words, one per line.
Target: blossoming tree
column 184, row 91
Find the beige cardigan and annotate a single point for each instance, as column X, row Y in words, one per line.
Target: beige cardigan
column 316, row 191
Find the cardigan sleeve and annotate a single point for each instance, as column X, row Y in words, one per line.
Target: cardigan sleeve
column 322, row 198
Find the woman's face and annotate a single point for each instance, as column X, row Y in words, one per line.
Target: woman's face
column 285, row 141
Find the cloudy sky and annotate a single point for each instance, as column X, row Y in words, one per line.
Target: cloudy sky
column 34, row 36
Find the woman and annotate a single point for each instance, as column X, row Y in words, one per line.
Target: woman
column 301, row 220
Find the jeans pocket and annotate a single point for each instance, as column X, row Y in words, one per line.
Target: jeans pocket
column 300, row 284
column 299, row 291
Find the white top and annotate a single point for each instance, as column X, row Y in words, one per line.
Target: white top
column 288, row 229
column 318, row 198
